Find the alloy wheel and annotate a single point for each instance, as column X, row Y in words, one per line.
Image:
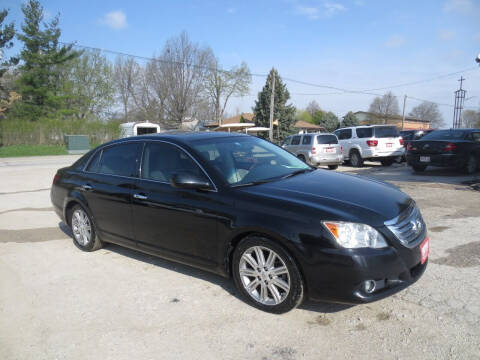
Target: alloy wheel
column 81, row 227
column 264, row 275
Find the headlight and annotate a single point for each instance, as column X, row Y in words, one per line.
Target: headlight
column 352, row 235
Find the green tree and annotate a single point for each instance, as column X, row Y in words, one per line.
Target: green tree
column 7, row 33
column 42, row 57
column 304, row 116
column 281, row 111
column 318, row 116
column 350, row 120
column 330, row 122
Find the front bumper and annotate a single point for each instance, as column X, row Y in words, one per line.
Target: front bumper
column 342, row 276
column 443, row 160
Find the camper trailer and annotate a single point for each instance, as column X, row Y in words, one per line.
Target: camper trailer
column 138, row 128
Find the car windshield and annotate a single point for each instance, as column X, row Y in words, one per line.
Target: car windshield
column 327, row 139
column 386, row 131
column 444, row 135
column 245, row 160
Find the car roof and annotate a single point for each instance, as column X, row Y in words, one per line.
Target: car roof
column 179, row 136
column 366, row 126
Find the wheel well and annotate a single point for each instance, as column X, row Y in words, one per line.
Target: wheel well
column 236, row 240
column 68, row 208
column 352, row 150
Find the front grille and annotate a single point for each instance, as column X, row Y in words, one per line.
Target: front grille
column 409, row 227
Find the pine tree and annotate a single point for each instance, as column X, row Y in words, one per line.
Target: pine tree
column 7, row 32
column 330, row 122
column 41, row 64
column 281, row 111
column 350, row 120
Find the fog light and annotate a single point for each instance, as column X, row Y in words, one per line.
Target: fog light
column 369, row 286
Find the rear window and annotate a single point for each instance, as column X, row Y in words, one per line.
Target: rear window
column 327, row 139
column 445, row 135
column 364, row 132
column 386, row 131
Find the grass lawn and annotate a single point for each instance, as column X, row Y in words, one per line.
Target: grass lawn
column 32, row 150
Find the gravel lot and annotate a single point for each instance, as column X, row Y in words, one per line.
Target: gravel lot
column 57, row 302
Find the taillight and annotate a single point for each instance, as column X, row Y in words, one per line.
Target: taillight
column 409, row 146
column 314, row 150
column 372, row 142
column 450, row 147
column 401, row 141
column 55, row 178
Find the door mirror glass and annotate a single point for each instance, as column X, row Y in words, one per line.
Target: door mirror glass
column 189, row 180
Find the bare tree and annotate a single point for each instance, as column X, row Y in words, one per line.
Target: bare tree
column 124, row 77
column 384, row 108
column 471, row 119
column 428, row 111
column 313, row 107
column 221, row 85
column 184, row 67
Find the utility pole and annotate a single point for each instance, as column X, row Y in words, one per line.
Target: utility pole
column 403, row 116
column 459, row 100
column 272, row 99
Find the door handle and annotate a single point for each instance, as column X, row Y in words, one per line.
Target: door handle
column 140, row 197
column 87, row 187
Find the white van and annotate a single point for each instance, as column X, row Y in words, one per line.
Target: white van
column 138, row 128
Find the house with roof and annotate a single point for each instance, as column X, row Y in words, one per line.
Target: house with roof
column 411, row 123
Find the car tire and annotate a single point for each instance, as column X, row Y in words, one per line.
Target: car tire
column 333, row 167
column 472, row 164
column 387, row 162
column 419, row 168
column 83, row 230
column 301, row 157
column 355, row 159
column 278, row 286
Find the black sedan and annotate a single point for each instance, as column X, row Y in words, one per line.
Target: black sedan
column 458, row 148
column 243, row 207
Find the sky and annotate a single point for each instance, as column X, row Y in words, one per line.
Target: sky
column 347, row 44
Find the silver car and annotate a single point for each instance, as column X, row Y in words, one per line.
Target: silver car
column 316, row 149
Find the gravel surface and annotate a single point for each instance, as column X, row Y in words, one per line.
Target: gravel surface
column 57, row 302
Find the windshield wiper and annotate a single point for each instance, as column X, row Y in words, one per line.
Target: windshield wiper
column 258, row 182
column 297, row 172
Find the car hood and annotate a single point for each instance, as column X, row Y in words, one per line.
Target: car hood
column 338, row 196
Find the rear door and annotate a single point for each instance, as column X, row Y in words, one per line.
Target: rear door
column 295, row 144
column 108, row 183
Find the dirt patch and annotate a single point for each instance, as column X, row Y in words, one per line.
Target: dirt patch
column 438, row 228
column 383, row 316
column 284, row 353
column 32, row 235
column 467, row 255
column 320, row 320
column 360, row 327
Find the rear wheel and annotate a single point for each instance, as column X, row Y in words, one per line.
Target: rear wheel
column 333, row 167
column 267, row 276
column 301, row 157
column 419, row 168
column 84, row 236
column 355, row 159
column 472, row 164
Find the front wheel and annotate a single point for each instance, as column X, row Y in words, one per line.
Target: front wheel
column 267, row 276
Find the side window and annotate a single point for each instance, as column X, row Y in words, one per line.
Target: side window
column 120, row 159
column 161, row 161
column 347, row 134
column 93, row 165
column 287, row 141
column 364, row 132
column 307, row 139
column 296, row 140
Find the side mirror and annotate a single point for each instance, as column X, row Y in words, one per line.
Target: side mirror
column 189, row 180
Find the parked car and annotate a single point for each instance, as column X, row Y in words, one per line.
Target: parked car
column 374, row 143
column 410, row 135
column 458, row 148
column 316, row 149
column 242, row 207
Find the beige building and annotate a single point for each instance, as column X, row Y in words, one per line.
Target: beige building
column 411, row 123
